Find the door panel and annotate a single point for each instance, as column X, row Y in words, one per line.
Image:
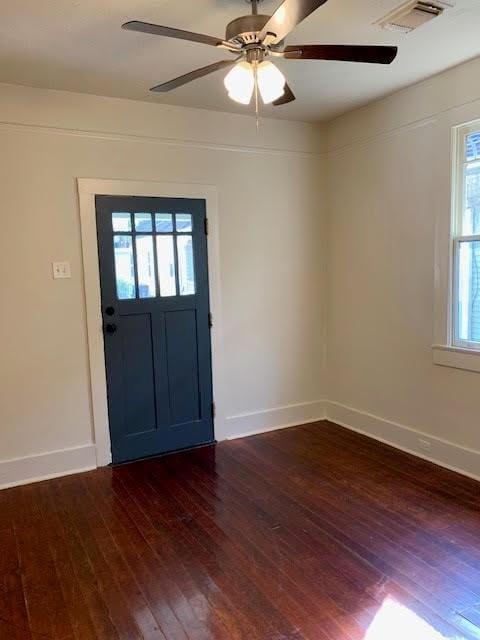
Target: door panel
column 154, row 284
column 138, row 382
column 182, row 367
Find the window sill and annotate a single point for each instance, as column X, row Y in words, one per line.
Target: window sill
column 456, row 357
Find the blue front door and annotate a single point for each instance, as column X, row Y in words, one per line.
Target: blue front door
column 155, row 307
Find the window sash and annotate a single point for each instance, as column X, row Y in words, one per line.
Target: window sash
column 460, row 166
column 457, row 341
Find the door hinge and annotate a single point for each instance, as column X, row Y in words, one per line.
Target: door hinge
column 214, row 410
column 210, row 320
column 205, row 223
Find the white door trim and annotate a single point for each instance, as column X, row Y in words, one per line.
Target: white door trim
column 87, row 190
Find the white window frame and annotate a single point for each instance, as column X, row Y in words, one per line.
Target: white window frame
column 458, row 206
column 447, row 350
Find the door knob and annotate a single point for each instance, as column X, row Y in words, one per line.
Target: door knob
column 110, row 328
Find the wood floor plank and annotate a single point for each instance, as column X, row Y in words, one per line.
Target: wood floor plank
column 78, row 612
column 146, row 566
column 81, row 566
column 308, row 533
column 417, row 534
column 111, row 611
column 267, row 573
column 122, row 603
column 336, row 524
column 273, row 559
column 472, row 615
column 428, row 478
column 188, row 584
column 41, row 588
column 428, row 585
column 111, row 548
column 189, row 550
column 14, row 623
column 437, row 571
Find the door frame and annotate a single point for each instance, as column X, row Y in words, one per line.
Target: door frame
column 87, row 190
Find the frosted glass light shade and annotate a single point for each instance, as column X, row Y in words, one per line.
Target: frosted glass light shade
column 271, row 82
column 240, row 82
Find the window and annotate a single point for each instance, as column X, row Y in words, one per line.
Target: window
column 466, row 239
column 153, row 254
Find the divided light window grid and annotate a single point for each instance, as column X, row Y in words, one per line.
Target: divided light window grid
column 153, row 254
column 466, row 239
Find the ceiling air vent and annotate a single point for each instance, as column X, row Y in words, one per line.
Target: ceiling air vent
column 412, row 15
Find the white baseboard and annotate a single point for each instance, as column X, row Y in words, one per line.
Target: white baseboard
column 249, row 424
column 44, row 466
column 54, row 464
column 444, row 453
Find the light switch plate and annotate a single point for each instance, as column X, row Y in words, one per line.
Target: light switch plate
column 61, row 270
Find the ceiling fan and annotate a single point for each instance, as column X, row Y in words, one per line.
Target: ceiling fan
column 255, row 38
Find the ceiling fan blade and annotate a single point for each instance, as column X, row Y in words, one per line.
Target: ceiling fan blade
column 346, row 53
column 169, row 32
column 287, row 16
column 287, row 97
column 193, row 75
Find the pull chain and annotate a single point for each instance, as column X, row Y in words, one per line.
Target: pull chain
column 255, row 75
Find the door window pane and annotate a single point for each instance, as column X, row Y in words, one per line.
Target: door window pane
column 166, row 266
column 186, row 270
column 147, row 287
column 124, row 272
column 121, row 221
column 469, row 291
column 143, row 222
column 163, row 222
column 183, row 222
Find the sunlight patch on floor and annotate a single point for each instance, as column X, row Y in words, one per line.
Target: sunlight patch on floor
column 394, row 621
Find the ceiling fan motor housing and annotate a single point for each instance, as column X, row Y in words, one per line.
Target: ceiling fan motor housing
column 244, row 30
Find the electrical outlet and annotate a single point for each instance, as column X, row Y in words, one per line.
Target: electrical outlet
column 61, row 270
column 424, row 445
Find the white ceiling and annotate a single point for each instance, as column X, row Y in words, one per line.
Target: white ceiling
column 77, row 45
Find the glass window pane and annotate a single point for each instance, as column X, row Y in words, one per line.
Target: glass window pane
column 472, row 146
column 143, row 222
column 166, row 266
column 147, row 287
column 471, row 212
column 186, row 270
column 121, row 221
column 164, row 222
column 124, row 273
column 183, row 222
column 468, row 321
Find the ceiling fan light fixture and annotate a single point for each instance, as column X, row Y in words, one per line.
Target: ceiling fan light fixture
column 271, row 82
column 255, row 37
column 240, row 82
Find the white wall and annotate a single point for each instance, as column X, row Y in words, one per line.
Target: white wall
column 271, row 211
column 388, row 187
column 389, row 208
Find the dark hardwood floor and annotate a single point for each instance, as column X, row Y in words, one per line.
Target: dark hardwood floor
column 312, row 532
